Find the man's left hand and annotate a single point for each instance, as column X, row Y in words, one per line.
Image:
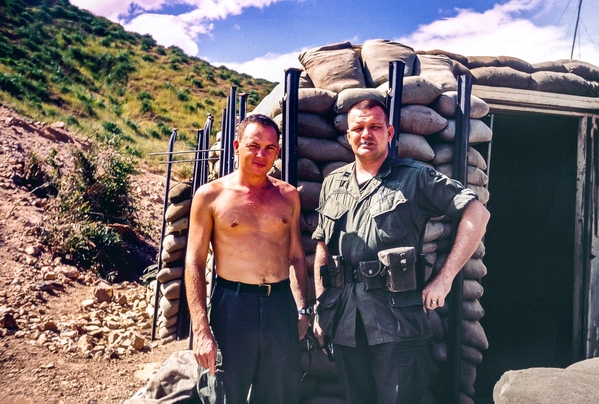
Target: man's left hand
column 303, row 322
column 434, row 294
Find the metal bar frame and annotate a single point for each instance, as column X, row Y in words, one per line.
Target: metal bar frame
column 290, row 119
column 394, row 97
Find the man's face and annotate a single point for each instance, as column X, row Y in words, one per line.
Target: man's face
column 257, row 149
column 368, row 134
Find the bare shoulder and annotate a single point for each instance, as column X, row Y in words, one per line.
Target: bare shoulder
column 284, row 188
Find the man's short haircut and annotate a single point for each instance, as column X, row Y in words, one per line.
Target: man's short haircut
column 259, row 119
column 370, row 104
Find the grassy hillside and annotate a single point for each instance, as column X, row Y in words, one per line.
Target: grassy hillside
column 60, row 63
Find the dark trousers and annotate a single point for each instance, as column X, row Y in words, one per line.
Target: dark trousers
column 258, row 339
column 389, row 373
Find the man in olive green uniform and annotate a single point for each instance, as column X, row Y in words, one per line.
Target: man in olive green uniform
column 381, row 336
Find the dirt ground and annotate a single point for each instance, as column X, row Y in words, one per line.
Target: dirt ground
column 36, row 368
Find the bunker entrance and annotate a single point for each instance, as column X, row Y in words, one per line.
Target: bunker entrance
column 530, row 239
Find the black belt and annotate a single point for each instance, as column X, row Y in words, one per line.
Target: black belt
column 351, row 273
column 263, row 289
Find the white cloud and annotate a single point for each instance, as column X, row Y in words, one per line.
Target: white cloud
column 269, row 67
column 499, row 31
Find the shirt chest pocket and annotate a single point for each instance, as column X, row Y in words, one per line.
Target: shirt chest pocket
column 332, row 211
column 391, row 214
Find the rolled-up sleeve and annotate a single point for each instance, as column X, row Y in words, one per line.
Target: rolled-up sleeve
column 443, row 195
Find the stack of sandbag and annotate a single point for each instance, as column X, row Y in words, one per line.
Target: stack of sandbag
column 174, row 246
column 564, row 76
column 336, row 76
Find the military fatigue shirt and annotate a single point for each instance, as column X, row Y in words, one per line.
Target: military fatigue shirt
column 391, row 210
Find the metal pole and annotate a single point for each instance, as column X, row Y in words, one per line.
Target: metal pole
column 205, row 147
column 242, row 106
column 394, row 96
column 290, row 117
column 223, row 145
column 171, row 145
column 231, row 129
column 454, row 338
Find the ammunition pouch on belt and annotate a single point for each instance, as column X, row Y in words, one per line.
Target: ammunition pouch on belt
column 372, row 274
column 400, row 267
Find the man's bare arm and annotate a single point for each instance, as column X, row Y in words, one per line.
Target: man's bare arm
column 200, row 231
column 470, row 231
column 297, row 262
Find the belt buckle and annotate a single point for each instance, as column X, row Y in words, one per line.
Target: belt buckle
column 264, row 285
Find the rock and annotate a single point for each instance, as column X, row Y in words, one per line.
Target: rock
column 85, row 344
column 49, row 326
column 8, row 321
column 50, row 276
column 31, row 250
column 68, row 271
column 103, row 293
column 87, row 303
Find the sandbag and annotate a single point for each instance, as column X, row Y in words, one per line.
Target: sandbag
column 474, row 269
column 177, row 227
column 472, row 310
column 168, row 274
column 421, row 120
column 322, row 150
column 415, row 90
column 314, row 125
column 350, row 96
column 467, row 378
column 479, row 132
column 179, row 192
column 172, row 289
column 271, row 104
column 315, row 100
column 169, row 307
column 444, row 153
column 447, row 104
column 343, row 141
column 472, row 289
column 433, row 231
column 453, row 56
column 332, row 166
column 177, row 255
column 474, row 335
column 309, row 193
column 482, row 192
column 307, row 170
column 164, row 332
column 515, row 63
column 471, row 354
column 376, row 55
column 438, row 69
column 414, row 146
column 333, row 67
column 309, row 221
column 500, row 77
column 583, row 69
column 167, row 322
column 177, row 210
column 436, row 325
column 562, row 83
column 173, row 243
column 308, row 245
column 340, row 122
column 475, row 175
column 550, row 66
column 305, row 81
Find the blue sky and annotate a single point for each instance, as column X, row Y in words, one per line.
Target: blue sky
column 263, row 37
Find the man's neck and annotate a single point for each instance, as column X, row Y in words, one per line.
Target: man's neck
column 366, row 170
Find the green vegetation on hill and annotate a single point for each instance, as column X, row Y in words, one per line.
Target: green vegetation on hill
column 58, row 62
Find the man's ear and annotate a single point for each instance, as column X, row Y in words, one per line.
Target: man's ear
column 391, row 131
column 236, row 145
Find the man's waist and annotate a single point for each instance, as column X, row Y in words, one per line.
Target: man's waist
column 263, row 289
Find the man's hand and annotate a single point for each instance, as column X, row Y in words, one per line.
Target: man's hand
column 303, row 322
column 434, row 294
column 318, row 334
column 204, row 350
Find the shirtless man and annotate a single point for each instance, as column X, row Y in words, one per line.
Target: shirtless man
column 252, row 221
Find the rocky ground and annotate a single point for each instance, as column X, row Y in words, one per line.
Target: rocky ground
column 67, row 336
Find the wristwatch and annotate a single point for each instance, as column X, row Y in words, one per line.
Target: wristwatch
column 307, row 311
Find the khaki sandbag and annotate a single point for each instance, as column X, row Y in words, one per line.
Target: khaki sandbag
column 550, row 66
column 429, row 248
column 168, row 274
column 165, row 332
column 179, row 226
column 472, row 289
column 433, row 231
column 307, row 170
column 416, row 90
column 471, row 354
column 474, row 62
column 421, row 120
column 343, row 141
column 376, row 55
column 271, row 104
column 308, row 221
column 309, row 193
column 167, row 322
column 562, row 83
column 436, row 325
column 515, row 63
column 333, row 67
column 474, row 335
column 472, row 310
column 179, row 192
column 585, row 70
column 479, row 132
column 169, row 307
column 447, row 104
column 480, row 251
column 305, row 81
column 322, row 150
column 444, row 153
column 474, row 269
column 173, row 243
column 173, row 256
column 340, row 122
column 332, row 166
column 438, row 69
column 453, row 56
column 350, row 96
column 315, row 100
column 467, row 378
column 475, row 175
column 414, row 146
column 177, row 210
column 172, row 289
column 500, row 77
column 482, row 192
column 314, row 125
column 440, row 351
